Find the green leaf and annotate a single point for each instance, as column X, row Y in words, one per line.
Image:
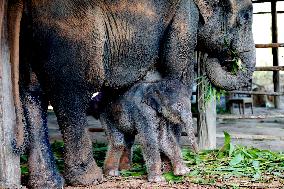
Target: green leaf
column 257, row 175
column 170, row 177
column 232, row 149
column 194, row 173
column 24, row 170
column 255, row 165
column 227, row 138
column 236, row 160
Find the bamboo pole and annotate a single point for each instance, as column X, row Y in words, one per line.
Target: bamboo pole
column 9, row 162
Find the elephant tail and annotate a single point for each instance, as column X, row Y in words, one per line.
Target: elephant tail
column 15, row 11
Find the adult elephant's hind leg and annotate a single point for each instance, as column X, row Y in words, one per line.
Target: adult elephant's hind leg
column 43, row 173
column 80, row 166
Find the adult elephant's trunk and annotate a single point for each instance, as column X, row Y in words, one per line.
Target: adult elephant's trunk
column 226, row 80
column 15, row 11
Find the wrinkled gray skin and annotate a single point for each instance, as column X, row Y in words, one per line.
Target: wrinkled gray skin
column 79, row 47
column 156, row 112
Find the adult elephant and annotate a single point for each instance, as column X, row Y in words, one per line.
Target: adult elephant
column 78, row 47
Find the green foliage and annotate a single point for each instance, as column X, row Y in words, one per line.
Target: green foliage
column 99, row 152
column 170, row 177
column 212, row 92
column 208, row 167
column 57, row 148
column 233, row 161
column 138, row 166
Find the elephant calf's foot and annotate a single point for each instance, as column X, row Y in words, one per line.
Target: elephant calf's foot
column 156, row 178
column 84, row 177
column 44, row 181
column 112, row 172
column 181, row 170
column 166, row 166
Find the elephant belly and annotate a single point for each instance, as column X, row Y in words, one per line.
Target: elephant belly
column 133, row 35
column 97, row 46
column 128, row 61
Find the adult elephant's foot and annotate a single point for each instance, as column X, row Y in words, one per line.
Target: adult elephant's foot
column 156, row 178
column 46, row 180
column 112, row 172
column 84, row 176
column 181, row 170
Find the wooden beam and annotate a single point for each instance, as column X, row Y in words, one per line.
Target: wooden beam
column 278, row 12
column 257, row 93
column 9, row 162
column 264, row 1
column 263, row 116
column 270, row 68
column 206, row 120
column 270, row 45
column 252, row 137
column 276, row 74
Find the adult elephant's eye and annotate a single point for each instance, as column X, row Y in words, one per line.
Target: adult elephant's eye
column 246, row 16
column 243, row 18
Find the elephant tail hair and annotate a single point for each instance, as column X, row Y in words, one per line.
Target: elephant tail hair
column 15, row 12
column 21, row 142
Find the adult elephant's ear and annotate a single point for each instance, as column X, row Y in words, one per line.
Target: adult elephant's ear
column 206, row 8
column 15, row 11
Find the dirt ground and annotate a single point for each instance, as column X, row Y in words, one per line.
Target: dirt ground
column 140, row 183
column 263, row 134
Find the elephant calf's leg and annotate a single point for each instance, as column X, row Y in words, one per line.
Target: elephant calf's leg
column 171, row 148
column 114, row 153
column 80, row 166
column 43, row 173
column 126, row 158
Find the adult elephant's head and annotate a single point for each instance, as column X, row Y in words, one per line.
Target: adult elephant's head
column 226, row 26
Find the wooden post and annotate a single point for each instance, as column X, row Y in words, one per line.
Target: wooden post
column 9, row 162
column 276, row 74
column 206, row 120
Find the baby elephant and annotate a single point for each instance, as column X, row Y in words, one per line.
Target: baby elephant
column 156, row 112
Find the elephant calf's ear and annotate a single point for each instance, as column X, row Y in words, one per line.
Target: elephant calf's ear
column 206, row 8
column 154, row 101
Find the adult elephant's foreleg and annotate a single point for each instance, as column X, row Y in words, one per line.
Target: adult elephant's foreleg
column 43, row 173
column 80, row 166
column 179, row 56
